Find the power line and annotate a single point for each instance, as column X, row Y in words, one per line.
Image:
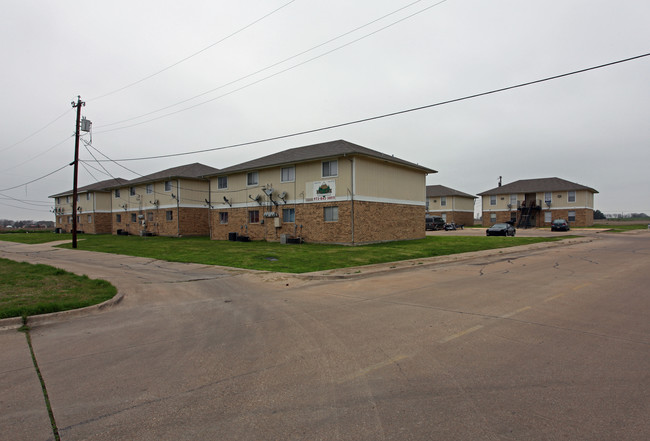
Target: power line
column 387, row 115
column 40, row 154
column 36, row 132
column 34, row 180
column 194, row 54
column 266, row 68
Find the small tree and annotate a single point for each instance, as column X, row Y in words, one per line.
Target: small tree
column 599, row 215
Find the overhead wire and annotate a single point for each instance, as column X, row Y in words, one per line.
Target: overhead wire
column 35, row 180
column 270, row 67
column 266, row 68
column 36, row 132
column 40, row 154
column 194, row 54
column 391, row 114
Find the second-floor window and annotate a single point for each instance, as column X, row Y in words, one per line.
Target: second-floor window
column 572, row 196
column 493, row 200
column 443, row 201
column 252, row 178
column 330, row 168
column 288, row 174
column 117, row 192
column 149, row 188
column 132, row 191
column 222, row 182
column 168, row 185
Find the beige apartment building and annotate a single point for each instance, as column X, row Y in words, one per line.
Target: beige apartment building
column 452, row 205
column 538, row 202
column 172, row 202
column 333, row 192
column 93, row 208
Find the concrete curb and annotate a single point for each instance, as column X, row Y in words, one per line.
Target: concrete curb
column 361, row 272
column 41, row 319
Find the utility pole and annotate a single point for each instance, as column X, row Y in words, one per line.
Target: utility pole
column 79, row 104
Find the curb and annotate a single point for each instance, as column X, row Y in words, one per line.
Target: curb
column 41, row 319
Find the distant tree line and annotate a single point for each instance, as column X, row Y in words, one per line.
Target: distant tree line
column 29, row 223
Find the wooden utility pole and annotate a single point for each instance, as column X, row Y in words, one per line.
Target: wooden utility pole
column 79, row 104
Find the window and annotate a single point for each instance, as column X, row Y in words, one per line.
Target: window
column 254, row 217
column 288, row 215
column 223, row 217
column 548, row 197
column 493, row 218
column 444, row 217
column 443, row 201
column 168, row 185
column 330, row 168
column 134, row 218
column 331, row 214
column 67, row 199
column 117, row 192
column 90, row 219
column 69, row 219
column 222, row 182
column 493, row 200
column 572, row 216
column 547, row 217
column 58, row 200
column 572, row 196
column 150, row 216
column 149, row 188
column 87, row 196
column 252, row 178
column 288, row 174
column 169, row 215
column 513, row 200
column 131, row 191
column 118, row 218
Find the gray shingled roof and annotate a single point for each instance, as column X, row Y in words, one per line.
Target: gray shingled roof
column 188, row 171
column 537, row 185
column 97, row 186
column 314, row 152
column 441, row 190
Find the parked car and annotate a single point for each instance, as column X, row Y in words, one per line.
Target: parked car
column 434, row 223
column 560, row 225
column 504, row 229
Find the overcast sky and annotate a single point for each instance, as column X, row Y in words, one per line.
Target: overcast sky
column 233, row 72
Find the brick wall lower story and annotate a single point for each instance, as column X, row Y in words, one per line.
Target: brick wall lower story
column 100, row 223
column 181, row 221
column 373, row 222
column 584, row 217
column 457, row 217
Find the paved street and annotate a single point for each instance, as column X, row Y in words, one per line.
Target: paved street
column 539, row 343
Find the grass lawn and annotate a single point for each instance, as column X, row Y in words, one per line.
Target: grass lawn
column 272, row 256
column 27, row 289
column 620, row 228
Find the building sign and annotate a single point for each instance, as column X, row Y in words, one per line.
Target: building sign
column 324, row 190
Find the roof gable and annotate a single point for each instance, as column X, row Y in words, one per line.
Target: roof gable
column 441, row 190
column 97, row 186
column 188, row 171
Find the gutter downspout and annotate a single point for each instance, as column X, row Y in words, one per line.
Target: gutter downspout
column 178, row 207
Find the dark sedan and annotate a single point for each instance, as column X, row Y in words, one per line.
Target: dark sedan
column 501, row 230
column 560, row 225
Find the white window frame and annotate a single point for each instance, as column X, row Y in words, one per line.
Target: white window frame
column 131, row 191
column 221, row 180
column 329, row 173
column 117, row 193
column 493, row 199
column 149, row 188
column 223, row 217
column 90, row 219
column 253, row 218
column 134, row 217
column 168, row 186
column 250, row 182
column 513, row 200
column 443, row 201
column 571, row 216
column 290, row 174
column 331, row 214
column 548, row 197
column 548, row 217
column 169, row 215
column 288, row 215
column 493, row 218
column 118, row 218
column 571, row 196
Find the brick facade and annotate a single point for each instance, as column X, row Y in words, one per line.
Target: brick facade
column 584, row 217
column 373, row 222
column 183, row 221
column 100, row 223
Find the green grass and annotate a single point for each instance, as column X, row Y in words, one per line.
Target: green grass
column 621, row 228
column 35, row 238
column 27, row 289
column 272, row 256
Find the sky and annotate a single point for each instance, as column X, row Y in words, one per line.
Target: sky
column 165, row 78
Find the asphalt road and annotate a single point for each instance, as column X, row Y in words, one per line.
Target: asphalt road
column 533, row 344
